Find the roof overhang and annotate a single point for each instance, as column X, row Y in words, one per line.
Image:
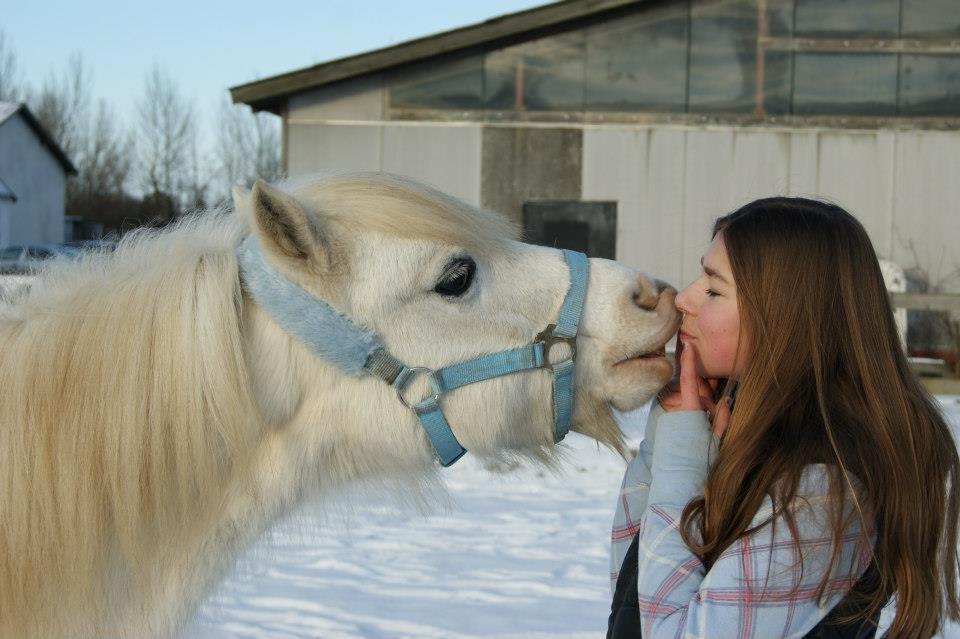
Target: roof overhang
column 271, row 94
column 14, row 108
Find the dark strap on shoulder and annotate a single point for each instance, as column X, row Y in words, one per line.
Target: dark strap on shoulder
column 625, row 612
column 830, row 628
column 624, row 622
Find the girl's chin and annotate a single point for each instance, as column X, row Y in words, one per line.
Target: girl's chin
column 713, row 372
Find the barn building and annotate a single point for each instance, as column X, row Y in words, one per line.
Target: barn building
column 33, row 177
column 624, row 127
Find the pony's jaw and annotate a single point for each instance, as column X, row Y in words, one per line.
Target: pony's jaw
column 636, row 373
column 623, row 341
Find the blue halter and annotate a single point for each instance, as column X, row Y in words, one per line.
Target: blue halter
column 358, row 351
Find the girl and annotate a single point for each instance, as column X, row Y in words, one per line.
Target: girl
column 829, row 488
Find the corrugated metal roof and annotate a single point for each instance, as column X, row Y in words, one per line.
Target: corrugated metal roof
column 9, row 109
column 269, row 94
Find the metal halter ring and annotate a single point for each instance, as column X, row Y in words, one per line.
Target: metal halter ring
column 548, row 338
column 407, row 375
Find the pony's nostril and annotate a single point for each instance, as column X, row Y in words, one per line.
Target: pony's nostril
column 663, row 286
column 648, row 294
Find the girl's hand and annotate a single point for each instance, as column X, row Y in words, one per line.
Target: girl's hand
column 692, row 392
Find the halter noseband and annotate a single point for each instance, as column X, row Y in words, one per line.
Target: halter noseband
column 358, row 351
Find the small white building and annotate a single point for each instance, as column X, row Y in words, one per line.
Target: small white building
column 33, row 177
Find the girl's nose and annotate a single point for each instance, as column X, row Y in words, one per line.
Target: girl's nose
column 682, row 301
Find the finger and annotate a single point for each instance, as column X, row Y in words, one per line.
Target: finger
column 669, row 396
column 670, row 404
column 689, row 382
column 705, row 389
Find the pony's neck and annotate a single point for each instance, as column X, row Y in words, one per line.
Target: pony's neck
column 341, row 427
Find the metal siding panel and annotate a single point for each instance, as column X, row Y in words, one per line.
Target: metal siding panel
column 661, row 204
column 802, row 168
column 709, row 192
column 761, row 160
column 447, row 157
column 926, row 203
column 642, row 169
column 612, row 158
column 323, row 148
column 855, row 171
column 357, row 100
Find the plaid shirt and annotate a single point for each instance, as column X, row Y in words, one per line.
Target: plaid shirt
column 757, row 588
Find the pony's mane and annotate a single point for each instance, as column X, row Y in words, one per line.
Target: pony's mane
column 394, row 206
column 157, row 323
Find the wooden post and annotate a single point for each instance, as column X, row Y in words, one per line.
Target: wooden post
column 762, row 31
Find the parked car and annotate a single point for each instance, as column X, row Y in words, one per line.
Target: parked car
column 23, row 259
column 92, row 245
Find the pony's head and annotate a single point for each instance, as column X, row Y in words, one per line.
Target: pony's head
column 438, row 281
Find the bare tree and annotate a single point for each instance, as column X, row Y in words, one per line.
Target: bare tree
column 63, row 105
column 98, row 193
column 165, row 133
column 197, row 178
column 104, row 161
column 248, row 145
column 10, row 90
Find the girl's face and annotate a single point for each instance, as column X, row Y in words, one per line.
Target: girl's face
column 711, row 319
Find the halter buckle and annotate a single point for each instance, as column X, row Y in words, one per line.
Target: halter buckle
column 548, row 338
column 407, row 375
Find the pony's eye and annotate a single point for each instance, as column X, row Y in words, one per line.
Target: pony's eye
column 457, row 278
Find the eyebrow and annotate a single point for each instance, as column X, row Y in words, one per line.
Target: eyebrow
column 712, row 273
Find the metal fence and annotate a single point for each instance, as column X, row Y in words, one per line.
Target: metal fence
column 927, row 301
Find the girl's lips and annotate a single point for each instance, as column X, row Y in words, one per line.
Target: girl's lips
column 685, row 337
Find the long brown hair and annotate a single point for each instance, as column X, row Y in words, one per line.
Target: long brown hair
column 825, row 380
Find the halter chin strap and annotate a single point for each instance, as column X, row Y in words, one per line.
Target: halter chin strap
column 358, row 351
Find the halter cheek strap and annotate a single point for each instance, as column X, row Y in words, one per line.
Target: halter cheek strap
column 356, row 350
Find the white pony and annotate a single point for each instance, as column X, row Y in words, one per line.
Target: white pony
column 154, row 419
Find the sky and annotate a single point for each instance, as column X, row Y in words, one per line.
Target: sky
column 208, row 46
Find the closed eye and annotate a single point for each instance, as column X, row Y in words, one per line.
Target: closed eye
column 457, row 277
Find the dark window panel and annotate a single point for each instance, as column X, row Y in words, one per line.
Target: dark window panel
column 931, row 19
column 853, row 18
column 456, row 84
column 502, row 74
column 845, row 84
column 930, row 85
column 588, row 227
column 779, row 17
column 724, row 53
column 567, row 234
column 638, row 63
column 777, row 85
column 542, row 75
column 723, row 56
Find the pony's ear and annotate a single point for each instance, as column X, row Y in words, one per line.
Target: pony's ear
column 281, row 223
column 241, row 195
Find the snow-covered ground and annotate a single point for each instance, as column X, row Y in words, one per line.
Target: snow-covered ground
column 521, row 555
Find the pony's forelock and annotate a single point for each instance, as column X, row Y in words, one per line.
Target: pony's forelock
column 397, row 207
